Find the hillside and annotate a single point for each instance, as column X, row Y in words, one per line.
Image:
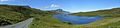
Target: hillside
column 111, row 18
column 12, row 14
column 106, row 13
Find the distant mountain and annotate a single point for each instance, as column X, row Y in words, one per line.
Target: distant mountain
column 60, row 11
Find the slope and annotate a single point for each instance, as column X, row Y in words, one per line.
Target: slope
column 111, row 18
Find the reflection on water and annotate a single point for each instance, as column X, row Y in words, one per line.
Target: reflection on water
column 77, row 19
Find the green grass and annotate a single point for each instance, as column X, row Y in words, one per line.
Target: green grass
column 111, row 18
column 12, row 14
column 47, row 21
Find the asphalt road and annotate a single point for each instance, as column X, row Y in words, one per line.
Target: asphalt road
column 23, row 24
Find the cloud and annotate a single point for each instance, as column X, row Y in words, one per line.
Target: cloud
column 51, row 6
column 54, row 6
column 5, row 0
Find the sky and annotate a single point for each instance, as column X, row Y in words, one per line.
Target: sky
column 67, row 5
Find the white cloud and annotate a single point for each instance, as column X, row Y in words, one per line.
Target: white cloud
column 54, row 6
column 5, row 0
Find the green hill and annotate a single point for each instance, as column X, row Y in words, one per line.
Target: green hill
column 12, row 14
column 111, row 18
column 115, row 12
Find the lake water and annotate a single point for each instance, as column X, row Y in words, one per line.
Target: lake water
column 77, row 19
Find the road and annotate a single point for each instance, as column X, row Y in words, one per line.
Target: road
column 23, row 24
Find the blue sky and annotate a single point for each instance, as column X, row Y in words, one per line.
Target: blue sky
column 67, row 5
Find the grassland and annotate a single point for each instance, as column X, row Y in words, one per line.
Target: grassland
column 111, row 18
column 11, row 14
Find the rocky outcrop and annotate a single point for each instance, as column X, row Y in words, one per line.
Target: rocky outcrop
column 60, row 11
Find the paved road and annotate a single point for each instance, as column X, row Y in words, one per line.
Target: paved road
column 23, row 24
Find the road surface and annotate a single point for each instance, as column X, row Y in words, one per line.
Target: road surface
column 23, row 24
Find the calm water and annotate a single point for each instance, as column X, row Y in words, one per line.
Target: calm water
column 77, row 19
